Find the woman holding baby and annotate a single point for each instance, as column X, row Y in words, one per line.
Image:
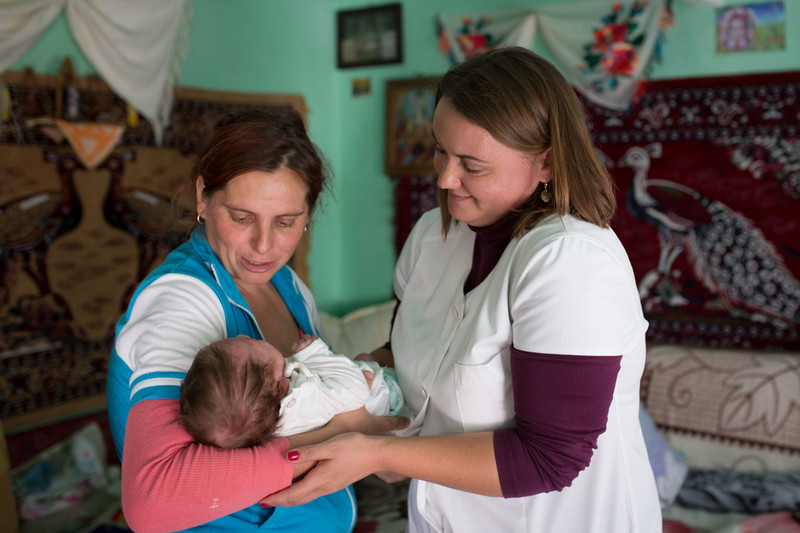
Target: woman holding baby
column 256, row 183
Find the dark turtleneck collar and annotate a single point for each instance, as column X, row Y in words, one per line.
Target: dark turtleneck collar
column 490, row 242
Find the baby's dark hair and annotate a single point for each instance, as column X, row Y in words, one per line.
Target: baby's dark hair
column 225, row 404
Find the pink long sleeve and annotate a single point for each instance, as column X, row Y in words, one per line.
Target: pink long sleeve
column 171, row 482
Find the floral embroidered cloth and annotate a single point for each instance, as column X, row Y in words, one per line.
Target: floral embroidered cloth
column 603, row 48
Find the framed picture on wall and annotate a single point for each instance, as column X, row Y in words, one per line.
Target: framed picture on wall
column 409, row 116
column 751, row 27
column 369, row 36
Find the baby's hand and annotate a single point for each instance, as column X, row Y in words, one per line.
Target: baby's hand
column 303, row 342
column 369, row 377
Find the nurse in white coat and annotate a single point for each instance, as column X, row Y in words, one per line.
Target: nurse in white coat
column 519, row 339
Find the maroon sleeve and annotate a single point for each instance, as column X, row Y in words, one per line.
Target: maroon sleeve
column 561, row 407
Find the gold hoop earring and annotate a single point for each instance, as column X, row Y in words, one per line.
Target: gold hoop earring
column 545, row 195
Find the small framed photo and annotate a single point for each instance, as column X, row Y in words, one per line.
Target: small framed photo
column 409, row 116
column 751, row 27
column 369, row 36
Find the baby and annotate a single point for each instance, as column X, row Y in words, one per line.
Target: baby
column 239, row 392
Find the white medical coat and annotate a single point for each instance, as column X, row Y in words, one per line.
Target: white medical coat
column 565, row 287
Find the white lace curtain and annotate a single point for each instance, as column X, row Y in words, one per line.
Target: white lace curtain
column 603, row 47
column 135, row 45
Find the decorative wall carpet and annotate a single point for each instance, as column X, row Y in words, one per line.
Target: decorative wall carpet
column 75, row 241
column 708, row 177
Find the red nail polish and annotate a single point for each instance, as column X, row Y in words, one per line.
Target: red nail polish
column 262, row 504
column 294, row 455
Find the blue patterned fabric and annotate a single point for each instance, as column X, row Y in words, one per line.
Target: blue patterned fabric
column 670, row 467
column 740, row 492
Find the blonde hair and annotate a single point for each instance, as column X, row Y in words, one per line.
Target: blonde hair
column 525, row 103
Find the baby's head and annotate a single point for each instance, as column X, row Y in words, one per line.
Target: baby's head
column 231, row 396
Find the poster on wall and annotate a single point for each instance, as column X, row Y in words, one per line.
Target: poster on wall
column 752, row 27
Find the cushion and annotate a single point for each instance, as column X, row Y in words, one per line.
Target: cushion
column 359, row 331
column 725, row 408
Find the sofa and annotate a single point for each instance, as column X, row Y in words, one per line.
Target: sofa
column 722, row 428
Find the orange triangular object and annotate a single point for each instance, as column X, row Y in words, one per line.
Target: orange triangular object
column 92, row 142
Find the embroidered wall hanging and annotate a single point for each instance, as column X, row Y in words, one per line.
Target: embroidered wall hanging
column 78, row 233
column 603, row 48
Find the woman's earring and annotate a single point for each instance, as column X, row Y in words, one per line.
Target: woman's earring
column 200, row 220
column 305, row 229
column 545, row 195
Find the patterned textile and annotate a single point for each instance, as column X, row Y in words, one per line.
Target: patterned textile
column 604, row 48
column 708, row 176
column 741, row 492
column 607, row 67
column 726, row 408
column 77, row 234
column 463, row 36
column 92, row 142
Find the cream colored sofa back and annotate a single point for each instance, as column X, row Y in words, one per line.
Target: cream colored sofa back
column 726, row 408
column 360, row 331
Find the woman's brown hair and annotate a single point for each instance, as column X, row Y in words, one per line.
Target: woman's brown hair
column 268, row 141
column 525, row 103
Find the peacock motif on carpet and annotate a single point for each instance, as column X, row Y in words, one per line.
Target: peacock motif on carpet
column 728, row 252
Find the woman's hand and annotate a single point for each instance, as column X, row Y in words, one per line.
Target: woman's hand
column 363, row 421
column 359, row 420
column 461, row 461
column 340, row 462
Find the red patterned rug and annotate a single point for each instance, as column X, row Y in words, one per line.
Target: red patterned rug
column 708, row 176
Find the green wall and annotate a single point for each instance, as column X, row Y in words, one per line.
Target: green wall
column 288, row 47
